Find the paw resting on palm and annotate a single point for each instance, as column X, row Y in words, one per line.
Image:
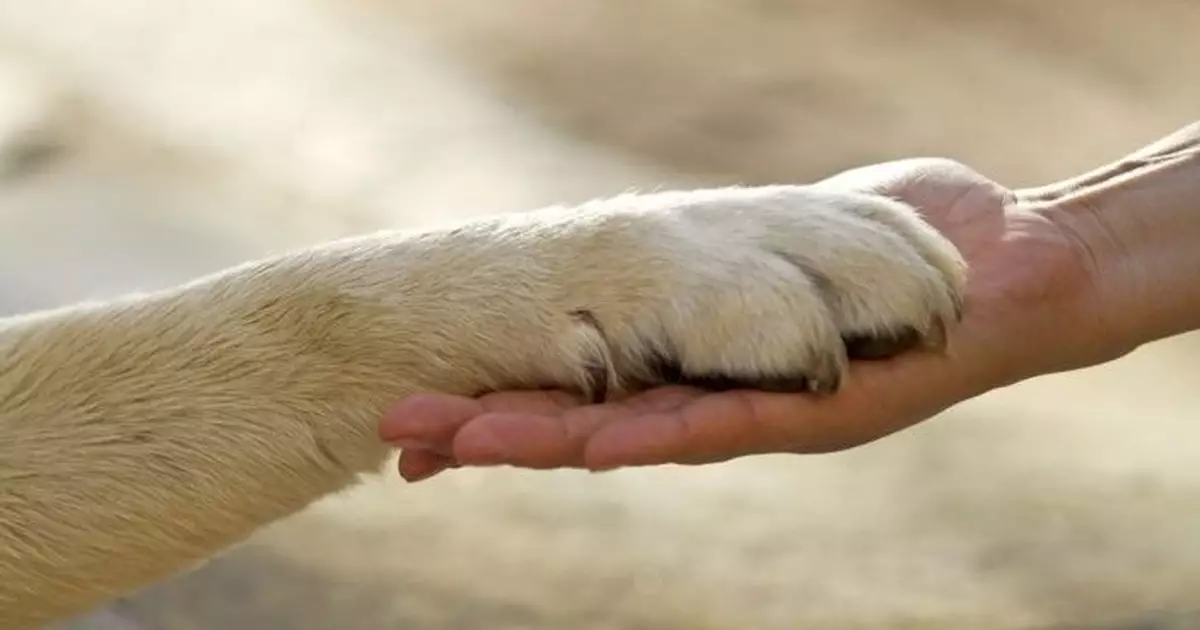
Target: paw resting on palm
column 770, row 288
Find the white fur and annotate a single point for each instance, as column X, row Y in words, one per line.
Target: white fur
column 142, row 435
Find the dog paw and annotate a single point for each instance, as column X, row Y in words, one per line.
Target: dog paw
column 771, row 288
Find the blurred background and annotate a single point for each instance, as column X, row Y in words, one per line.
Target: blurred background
column 143, row 142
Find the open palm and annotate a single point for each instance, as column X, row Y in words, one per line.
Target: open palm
column 1025, row 267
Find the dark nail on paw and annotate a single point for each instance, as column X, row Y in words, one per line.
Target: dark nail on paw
column 776, row 384
column 788, row 385
column 881, row 346
column 666, row 370
column 597, row 385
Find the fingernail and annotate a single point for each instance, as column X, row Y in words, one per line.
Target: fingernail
column 423, row 477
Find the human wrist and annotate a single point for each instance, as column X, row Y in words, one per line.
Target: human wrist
column 1140, row 236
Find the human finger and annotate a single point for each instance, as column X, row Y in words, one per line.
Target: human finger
column 419, row 465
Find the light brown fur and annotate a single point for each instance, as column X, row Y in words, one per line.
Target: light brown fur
column 145, row 434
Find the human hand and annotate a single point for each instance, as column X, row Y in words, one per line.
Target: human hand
column 1031, row 309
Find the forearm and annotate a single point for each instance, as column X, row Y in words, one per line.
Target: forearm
column 1142, row 229
column 137, row 438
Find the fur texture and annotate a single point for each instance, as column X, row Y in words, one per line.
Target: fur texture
column 145, row 434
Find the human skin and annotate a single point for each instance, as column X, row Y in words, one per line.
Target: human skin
column 1062, row 277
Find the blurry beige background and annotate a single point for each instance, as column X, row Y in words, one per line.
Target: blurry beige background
column 145, row 141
